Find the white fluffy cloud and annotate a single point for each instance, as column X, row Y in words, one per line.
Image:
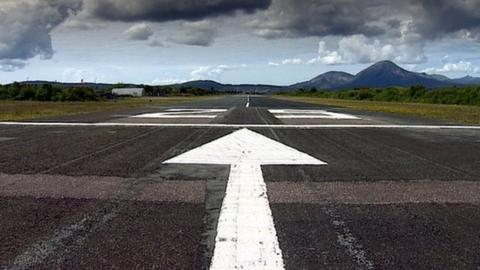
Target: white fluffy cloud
column 360, row 49
column 25, row 26
column 213, row 73
column 166, row 81
column 288, row 61
column 461, row 66
column 139, row 31
column 292, row 61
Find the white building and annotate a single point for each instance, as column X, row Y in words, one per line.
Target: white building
column 136, row 92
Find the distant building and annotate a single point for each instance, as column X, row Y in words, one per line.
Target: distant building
column 135, row 92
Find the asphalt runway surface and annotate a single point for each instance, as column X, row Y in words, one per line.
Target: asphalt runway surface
column 102, row 197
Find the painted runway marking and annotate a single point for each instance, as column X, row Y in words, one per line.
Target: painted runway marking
column 346, row 239
column 57, row 243
column 269, row 126
column 310, row 114
column 246, row 236
column 248, row 102
column 4, row 139
column 183, row 113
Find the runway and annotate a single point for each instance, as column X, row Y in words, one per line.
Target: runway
column 357, row 190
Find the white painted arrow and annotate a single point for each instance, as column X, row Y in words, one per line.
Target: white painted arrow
column 246, row 236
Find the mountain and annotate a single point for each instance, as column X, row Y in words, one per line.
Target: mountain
column 468, row 80
column 328, row 80
column 381, row 74
column 437, row 77
column 386, row 73
column 213, row 85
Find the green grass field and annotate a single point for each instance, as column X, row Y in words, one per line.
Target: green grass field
column 27, row 110
column 454, row 113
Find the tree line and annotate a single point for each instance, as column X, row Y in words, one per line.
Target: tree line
column 468, row 95
column 48, row 92
column 59, row 92
column 174, row 90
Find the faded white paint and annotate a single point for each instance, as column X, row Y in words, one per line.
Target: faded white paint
column 246, row 236
column 269, row 126
column 60, row 243
column 322, row 114
column 4, row 139
column 346, row 239
column 183, row 113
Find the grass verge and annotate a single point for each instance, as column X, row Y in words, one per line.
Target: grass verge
column 454, row 113
column 28, row 110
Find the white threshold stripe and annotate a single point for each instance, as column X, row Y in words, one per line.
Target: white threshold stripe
column 246, row 236
column 314, row 116
column 175, row 116
column 172, row 125
column 182, row 113
column 303, row 114
column 196, row 110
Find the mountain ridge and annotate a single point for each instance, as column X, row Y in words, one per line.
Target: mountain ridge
column 378, row 75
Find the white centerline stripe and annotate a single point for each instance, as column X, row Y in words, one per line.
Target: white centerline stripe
column 246, row 236
column 113, row 124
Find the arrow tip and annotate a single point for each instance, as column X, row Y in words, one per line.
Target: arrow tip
column 243, row 146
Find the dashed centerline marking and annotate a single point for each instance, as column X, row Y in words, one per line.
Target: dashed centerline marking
column 246, row 236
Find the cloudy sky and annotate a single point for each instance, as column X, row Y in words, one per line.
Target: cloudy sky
column 234, row 41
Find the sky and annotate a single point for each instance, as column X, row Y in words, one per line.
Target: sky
column 232, row 41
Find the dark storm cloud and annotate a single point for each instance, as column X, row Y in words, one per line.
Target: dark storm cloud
column 289, row 18
column 448, row 16
column 428, row 18
column 25, row 27
column 167, row 10
column 201, row 33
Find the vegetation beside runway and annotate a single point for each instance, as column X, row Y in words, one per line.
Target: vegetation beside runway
column 466, row 95
column 455, row 113
column 14, row 110
column 88, row 92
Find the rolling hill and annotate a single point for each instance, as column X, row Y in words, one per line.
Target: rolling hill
column 213, row 85
column 328, row 80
